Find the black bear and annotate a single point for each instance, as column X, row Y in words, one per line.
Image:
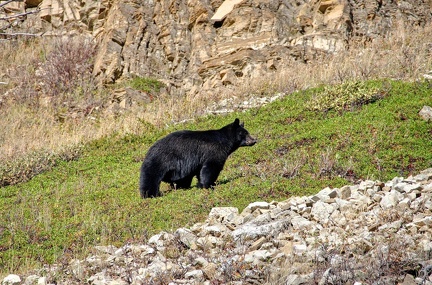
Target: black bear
column 181, row 155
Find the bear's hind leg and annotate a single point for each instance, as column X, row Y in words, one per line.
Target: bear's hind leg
column 208, row 175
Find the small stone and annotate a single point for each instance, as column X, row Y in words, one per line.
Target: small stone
column 224, row 214
column 209, row 270
column 42, row 281
column 404, row 187
column 257, row 244
column 106, row 249
column 325, row 194
column 344, row 192
column 258, row 205
column 321, row 212
column 11, row 279
column 299, row 223
column 295, row 279
column 198, row 275
column 389, row 200
column 299, row 249
column 408, row 280
column 31, row 280
column 185, row 236
column 426, row 113
column 216, row 230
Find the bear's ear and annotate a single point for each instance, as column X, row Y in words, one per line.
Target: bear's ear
column 236, row 122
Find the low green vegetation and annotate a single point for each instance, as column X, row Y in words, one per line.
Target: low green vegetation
column 24, row 168
column 145, row 84
column 94, row 200
column 346, row 96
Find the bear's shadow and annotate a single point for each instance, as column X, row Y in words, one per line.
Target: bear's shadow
column 194, row 186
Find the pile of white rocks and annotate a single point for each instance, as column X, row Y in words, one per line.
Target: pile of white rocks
column 368, row 233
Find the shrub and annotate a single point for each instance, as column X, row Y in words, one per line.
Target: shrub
column 58, row 69
column 24, row 168
column 145, row 84
column 67, row 68
column 347, row 96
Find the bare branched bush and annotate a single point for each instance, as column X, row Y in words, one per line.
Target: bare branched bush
column 68, row 67
column 61, row 71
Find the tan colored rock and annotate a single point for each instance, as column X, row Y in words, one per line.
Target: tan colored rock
column 50, row 9
column 190, row 44
column 226, row 7
column 13, row 8
column 209, row 270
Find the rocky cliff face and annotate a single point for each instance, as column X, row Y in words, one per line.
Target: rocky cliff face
column 215, row 45
column 368, row 233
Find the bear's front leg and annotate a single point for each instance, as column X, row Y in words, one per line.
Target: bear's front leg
column 209, row 174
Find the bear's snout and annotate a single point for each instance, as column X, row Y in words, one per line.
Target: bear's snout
column 250, row 141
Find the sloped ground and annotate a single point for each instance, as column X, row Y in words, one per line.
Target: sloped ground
column 62, row 214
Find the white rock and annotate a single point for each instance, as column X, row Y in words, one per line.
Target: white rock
column 294, row 279
column 195, row 274
column 185, row 236
column 394, row 181
column 426, row 113
column 261, row 255
column 42, row 281
column 298, row 223
column 153, row 269
column 11, row 279
column 252, row 231
column 201, row 261
column 258, row 205
column 32, row 279
column 343, row 204
column 390, row 199
column 216, row 230
column 110, row 249
column 325, row 194
column 405, row 187
column 321, row 212
column 224, row 214
column 153, row 240
column 344, row 192
column 366, row 184
column 299, row 249
column 404, row 204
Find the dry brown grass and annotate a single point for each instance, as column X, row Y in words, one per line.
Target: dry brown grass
column 28, row 124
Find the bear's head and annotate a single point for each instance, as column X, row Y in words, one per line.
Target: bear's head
column 243, row 138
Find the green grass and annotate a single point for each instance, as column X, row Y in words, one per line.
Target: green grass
column 95, row 200
column 145, row 84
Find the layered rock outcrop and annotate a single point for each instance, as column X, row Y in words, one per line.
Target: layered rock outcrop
column 368, row 233
column 214, row 45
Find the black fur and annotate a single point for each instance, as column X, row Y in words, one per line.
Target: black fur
column 181, row 155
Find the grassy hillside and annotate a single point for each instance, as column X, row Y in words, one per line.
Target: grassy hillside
column 306, row 142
